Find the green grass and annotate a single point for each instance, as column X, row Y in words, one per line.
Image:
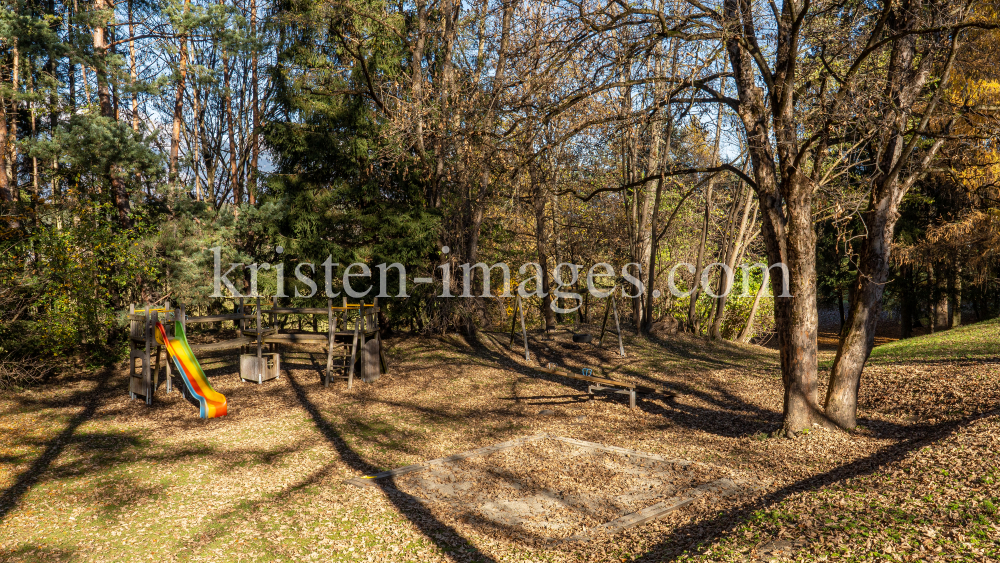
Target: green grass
column 158, row 482
column 979, row 341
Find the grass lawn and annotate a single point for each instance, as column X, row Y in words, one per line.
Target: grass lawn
column 88, row 475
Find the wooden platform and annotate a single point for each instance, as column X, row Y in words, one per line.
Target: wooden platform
column 265, row 333
column 295, row 337
column 223, row 345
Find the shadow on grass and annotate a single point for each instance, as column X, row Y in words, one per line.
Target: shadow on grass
column 35, row 552
column 11, row 497
column 694, row 540
column 732, row 417
column 445, row 537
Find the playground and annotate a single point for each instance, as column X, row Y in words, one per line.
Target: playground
column 466, row 452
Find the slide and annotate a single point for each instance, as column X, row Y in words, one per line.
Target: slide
column 212, row 402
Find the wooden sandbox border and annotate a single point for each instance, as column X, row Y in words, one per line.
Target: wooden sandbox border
column 723, row 486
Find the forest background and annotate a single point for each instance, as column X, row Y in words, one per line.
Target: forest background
column 855, row 142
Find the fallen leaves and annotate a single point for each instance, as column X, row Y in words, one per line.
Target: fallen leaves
column 265, row 482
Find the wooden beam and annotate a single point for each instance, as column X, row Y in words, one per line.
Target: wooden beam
column 224, row 345
column 298, row 310
column 600, row 341
column 215, row 318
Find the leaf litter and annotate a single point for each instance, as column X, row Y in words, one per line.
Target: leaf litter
column 96, row 476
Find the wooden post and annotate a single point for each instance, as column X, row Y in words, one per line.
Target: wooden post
column 513, row 320
column 146, row 333
column 524, row 329
column 329, row 341
column 146, row 369
column 131, row 350
column 152, row 345
column 621, row 347
column 273, row 316
column 354, row 355
column 183, row 318
column 382, row 365
column 363, row 320
column 241, row 324
column 259, row 336
column 604, row 324
column 166, row 307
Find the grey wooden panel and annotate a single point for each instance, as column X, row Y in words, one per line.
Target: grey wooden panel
column 370, row 370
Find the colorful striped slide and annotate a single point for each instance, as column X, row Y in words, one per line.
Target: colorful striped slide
column 212, row 402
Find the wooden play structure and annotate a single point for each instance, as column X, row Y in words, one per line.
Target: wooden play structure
column 351, row 339
column 519, row 312
column 143, row 347
column 346, row 347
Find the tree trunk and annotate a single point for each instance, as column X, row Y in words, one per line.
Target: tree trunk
column 840, row 307
column 907, row 73
column 118, row 188
column 175, row 134
column 796, row 317
column 133, row 68
column 906, row 302
column 856, row 343
column 196, row 106
column 785, row 198
column 34, row 130
column 942, row 317
column 10, row 170
column 693, row 324
column 693, row 321
column 541, row 241
column 955, row 291
column 230, row 126
column 101, row 71
column 255, row 128
column 734, row 253
column 6, row 194
column 977, row 308
column 71, row 71
column 659, row 155
column 647, row 317
column 747, row 333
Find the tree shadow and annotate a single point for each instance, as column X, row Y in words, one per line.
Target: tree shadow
column 12, row 496
column 36, row 552
column 691, row 540
column 734, row 417
column 444, row 536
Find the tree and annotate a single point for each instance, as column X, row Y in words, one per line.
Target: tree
column 828, row 80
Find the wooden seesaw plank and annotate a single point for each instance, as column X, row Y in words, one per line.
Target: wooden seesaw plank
column 605, row 381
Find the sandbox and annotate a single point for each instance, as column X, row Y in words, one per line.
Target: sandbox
column 554, row 489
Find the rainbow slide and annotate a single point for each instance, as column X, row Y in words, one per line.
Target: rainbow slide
column 212, row 402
